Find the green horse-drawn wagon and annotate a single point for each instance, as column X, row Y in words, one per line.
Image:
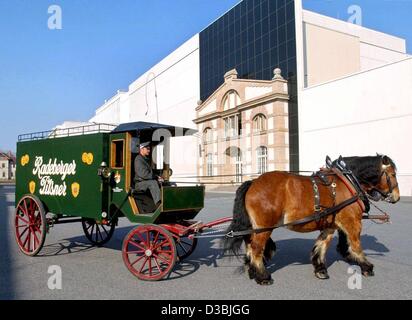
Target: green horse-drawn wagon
column 86, row 175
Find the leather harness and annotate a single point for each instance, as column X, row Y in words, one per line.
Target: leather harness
column 351, row 183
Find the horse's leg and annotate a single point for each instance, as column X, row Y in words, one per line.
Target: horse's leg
column 319, row 253
column 355, row 252
column 257, row 269
column 248, row 255
column 270, row 250
column 343, row 246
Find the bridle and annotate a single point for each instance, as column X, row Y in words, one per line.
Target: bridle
column 386, row 195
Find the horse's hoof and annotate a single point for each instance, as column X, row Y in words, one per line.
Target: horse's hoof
column 266, row 282
column 322, row 275
column 369, row 273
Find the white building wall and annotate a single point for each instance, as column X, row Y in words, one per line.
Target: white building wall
column 325, row 39
column 362, row 114
column 169, row 91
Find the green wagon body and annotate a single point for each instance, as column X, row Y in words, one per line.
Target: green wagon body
column 41, row 171
column 62, row 172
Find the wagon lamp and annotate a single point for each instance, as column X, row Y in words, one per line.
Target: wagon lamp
column 104, row 171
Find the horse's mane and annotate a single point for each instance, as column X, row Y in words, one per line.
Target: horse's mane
column 368, row 169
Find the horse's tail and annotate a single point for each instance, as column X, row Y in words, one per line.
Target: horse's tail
column 240, row 221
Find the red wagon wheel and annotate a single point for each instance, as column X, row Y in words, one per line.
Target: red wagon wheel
column 30, row 225
column 149, row 252
column 97, row 234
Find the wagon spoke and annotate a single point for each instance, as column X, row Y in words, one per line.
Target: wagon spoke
column 181, row 241
column 183, row 248
column 25, row 207
column 22, row 219
column 132, row 242
column 98, row 233
column 22, row 210
column 37, row 229
column 27, row 241
column 157, row 265
column 140, row 238
column 144, row 263
column 138, row 259
column 36, row 240
column 32, row 206
column 89, row 226
column 31, row 242
column 150, row 265
column 149, row 241
column 160, row 244
column 104, row 229
column 91, row 232
column 157, row 237
column 164, row 251
column 27, row 237
column 161, row 258
column 24, row 231
column 135, row 252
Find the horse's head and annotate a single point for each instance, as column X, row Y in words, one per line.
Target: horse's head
column 388, row 184
column 377, row 176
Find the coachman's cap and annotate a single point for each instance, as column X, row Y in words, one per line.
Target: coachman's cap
column 144, row 145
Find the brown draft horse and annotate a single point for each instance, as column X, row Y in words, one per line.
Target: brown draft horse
column 278, row 198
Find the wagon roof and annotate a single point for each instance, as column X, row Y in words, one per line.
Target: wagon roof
column 140, row 126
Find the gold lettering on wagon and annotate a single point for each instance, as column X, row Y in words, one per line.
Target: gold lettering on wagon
column 45, row 171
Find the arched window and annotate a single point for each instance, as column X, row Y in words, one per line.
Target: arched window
column 209, row 163
column 259, row 123
column 231, row 100
column 234, row 155
column 262, row 160
column 207, row 135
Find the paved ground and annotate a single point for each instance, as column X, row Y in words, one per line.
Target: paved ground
column 99, row 273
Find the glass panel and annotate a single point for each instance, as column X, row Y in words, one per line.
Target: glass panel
column 117, row 154
column 255, row 37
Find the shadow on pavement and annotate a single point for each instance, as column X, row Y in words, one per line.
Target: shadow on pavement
column 7, row 283
column 209, row 251
column 64, row 247
column 297, row 251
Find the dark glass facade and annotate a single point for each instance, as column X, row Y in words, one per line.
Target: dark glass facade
column 254, row 37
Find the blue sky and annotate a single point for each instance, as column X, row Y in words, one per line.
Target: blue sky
column 47, row 77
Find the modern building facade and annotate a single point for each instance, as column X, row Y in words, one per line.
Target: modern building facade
column 255, row 37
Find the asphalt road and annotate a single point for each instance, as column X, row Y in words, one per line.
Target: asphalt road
column 99, row 273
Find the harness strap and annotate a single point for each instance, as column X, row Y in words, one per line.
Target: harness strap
column 317, row 195
column 352, row 184
column 313, row 217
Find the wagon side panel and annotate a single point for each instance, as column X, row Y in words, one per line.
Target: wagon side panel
column 62, row 172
